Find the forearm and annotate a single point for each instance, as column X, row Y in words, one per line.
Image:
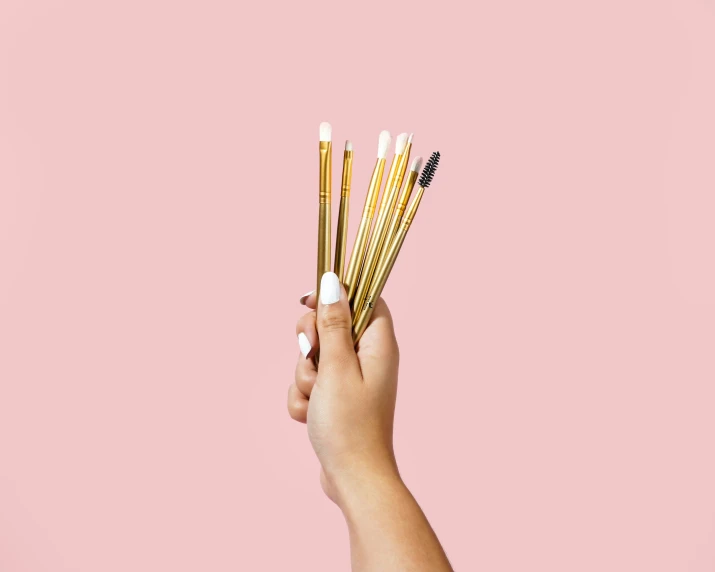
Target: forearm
column 388, row 530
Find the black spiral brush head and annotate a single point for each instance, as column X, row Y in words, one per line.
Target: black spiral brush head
column 429, row 169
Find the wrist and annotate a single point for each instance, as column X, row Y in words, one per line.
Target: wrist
column 357, row 485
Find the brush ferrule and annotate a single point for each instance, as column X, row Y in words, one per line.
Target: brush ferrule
column 347, row 173
column 325, row 171
column 407, row 191
column 412, row 209
column 404, row 161
column 392, row 175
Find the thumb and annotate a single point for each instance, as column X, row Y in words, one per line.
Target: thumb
column 334, row 324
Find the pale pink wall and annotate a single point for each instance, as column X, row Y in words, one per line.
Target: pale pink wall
column 158, row 174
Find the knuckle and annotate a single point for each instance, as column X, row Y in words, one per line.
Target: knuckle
column 296, row 408
column 304, row 381
column 335, row 322
column 337, row 365
column 305, row 322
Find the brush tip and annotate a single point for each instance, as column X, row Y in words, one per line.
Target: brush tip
column 383, row 144
column 401, row 143
column 416, row 164
column 348, row 145
column 409, row 139
column 428, row 171
column 326, row 131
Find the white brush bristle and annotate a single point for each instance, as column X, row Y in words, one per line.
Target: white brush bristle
column 401, row 143
column 326, row 131
column 383, row 144
column 348, row 145
column 409, row 139
column 416, row 164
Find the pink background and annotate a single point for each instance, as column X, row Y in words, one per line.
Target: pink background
column 554, row 302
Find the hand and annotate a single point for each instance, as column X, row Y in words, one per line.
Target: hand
column 349, row 405
column 349, row 401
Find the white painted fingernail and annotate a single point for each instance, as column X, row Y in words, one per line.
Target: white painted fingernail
column 304, row 344
column 329, row 288
column 305, row 296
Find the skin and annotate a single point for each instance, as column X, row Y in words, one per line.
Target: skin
column 349, row 405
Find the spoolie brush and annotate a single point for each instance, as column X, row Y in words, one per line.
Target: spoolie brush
column 387, row 261
column 429, row 170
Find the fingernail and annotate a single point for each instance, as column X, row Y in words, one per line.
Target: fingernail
column 305, row 296
column 329, row 288
column 304, row 344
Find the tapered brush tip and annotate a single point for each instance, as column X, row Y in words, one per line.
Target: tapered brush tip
column 326, row 131
column 428, row 171
column 401, row 143
column 348, row 145
column 383, row 144
column 416, row 164
column 409, row 139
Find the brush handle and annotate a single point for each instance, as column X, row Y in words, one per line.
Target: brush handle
column 356, row 258
column 323, row 243
column 382, row 273
column 384, row 267
column 341, row 238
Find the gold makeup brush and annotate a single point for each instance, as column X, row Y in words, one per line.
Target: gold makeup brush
column 326, row 165
column 368, row 212
column 341, row 237
column 402, row 202
column 387, row 205
column 388, row 260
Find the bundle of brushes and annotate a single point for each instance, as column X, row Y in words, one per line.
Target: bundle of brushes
column 379, row 238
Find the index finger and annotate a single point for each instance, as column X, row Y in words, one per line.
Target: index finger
column 310, row 300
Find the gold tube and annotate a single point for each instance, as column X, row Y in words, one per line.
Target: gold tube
column 400, row 209
column 368, row 212
column 379, row 232
column 326, row 160
column 384, row 268
column 342, row 233
column 405, row 162
column 391, row 175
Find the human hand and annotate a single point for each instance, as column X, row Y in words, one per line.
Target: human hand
column 348, row 402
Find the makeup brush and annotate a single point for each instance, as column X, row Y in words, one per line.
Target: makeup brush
column 394, row 171
column 326, row 165
column 341, row 237
column 387, row 205
column 388, row 260
column 402, row 202
column 368, row 212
